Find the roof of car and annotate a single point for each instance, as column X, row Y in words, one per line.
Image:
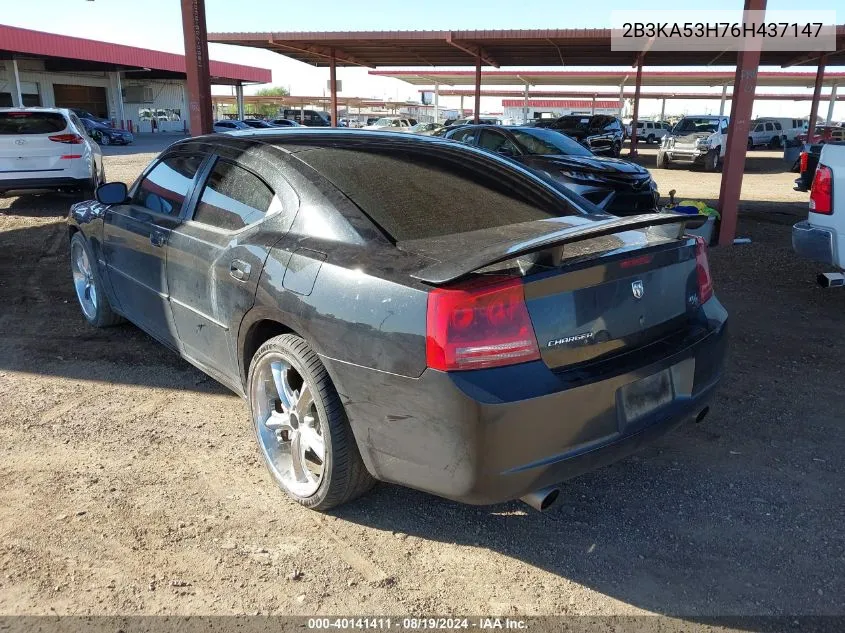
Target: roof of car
column 36, row 109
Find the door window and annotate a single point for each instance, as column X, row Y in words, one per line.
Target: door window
column 233, row 198
column 496, row 143
column 467, row 135
column 770, row 127
column 163, row 190
column 759, row 127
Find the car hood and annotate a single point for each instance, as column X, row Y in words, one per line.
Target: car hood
column 594, row 164
column 691, row 138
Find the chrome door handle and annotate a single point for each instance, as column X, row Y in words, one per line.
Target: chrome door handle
column 157, row 238
column 240, row 270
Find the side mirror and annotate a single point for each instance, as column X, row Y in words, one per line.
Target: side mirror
column 112, row 193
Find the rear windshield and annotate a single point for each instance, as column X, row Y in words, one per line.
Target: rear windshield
column 31, row 122
column 421, row 193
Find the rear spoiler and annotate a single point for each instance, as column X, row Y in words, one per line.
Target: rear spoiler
column 450, row 270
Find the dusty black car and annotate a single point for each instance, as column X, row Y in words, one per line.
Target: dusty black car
column 406, row 309
column 615, row 186
column 601, row 133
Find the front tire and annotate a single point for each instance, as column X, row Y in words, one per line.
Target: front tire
column 616, row 150
column 711, row 162
column 105, row 139
column 89, row 288
column 301, row 427
column 662, row 160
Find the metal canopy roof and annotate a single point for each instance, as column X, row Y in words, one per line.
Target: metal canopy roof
column 552, row 47
column 62, row 53
column 783, row 79
column 628, row 94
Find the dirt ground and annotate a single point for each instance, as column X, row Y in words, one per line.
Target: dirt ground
column 132, row 485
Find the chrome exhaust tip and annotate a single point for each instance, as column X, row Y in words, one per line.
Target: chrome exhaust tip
column 831, row 280
column 543, row 499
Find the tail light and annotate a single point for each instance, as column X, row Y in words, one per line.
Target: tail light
column 479, row 324
column 70, row 139
column 802, row 162
column 702, row 270
column 821, row 193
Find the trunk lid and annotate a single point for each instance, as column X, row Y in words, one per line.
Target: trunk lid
column 593, row 288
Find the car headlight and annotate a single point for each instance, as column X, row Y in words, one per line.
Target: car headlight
column 582, row 175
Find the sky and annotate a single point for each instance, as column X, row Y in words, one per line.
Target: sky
column 156, row 24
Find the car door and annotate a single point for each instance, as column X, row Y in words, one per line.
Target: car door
column 215, row 258
column 134, row 239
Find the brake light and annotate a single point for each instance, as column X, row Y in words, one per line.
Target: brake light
column 479, row 324
column 702, row 270
column 70, row 139
column 802, row 163
column 69, row 156
column 821, row 193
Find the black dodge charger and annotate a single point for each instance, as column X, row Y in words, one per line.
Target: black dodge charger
column 614, row 185
column 406, row 309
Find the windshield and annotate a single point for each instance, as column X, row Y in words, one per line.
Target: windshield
column 543, row 141
column 384, row 121
column 574, row 123
column 689, row 125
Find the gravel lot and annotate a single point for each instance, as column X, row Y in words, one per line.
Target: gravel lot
column 132, row 484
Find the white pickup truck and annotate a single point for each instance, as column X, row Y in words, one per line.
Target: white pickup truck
column 821, row 237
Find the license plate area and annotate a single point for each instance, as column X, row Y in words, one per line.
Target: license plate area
column 642, row 397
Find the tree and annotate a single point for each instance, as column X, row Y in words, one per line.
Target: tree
column 269, row 109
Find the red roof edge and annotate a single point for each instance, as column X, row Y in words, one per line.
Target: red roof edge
column 560, row 103
column 29, row 42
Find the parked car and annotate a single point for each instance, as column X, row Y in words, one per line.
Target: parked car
column 392, row 123
column 258, row 124
column 601, row 133
column 106, row 135
column 460, row 327
column 766, row 132
column 695, row 140
column 483, row 119
column 821, row 237
column 615, row 186
column 47, row 149
column 825, row 134
column 84, row 114
column 650, row 131
column 791, row 128
column 285, row 123
column 426, row 129
column 229, row 125
column 308, row 118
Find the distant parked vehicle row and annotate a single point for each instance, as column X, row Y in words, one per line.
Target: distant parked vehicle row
column 615, row 186
column 392, row 123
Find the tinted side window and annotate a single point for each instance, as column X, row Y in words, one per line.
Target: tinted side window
column 769, row 127
column 232, row 198
column 163, row 190
column 467, row 135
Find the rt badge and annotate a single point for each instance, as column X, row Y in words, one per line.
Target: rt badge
column 637, row 289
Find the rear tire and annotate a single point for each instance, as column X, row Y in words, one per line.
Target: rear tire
column 649, row 139
column 89, row 288
column 774, row 143
column 105, row 139
column 301, row 426
column 750, row 143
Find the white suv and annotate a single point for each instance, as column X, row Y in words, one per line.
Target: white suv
column 47, row 148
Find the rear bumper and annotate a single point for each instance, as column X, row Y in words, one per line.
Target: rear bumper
column 29, row 184
column 493, row 435
column 815, row 243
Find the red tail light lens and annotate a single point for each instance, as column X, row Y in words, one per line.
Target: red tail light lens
column 821, row 194
column 479, row 324
column 702, row 269
column 803, row 160
column 70, row 139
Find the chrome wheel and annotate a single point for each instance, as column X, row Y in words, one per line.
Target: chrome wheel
column 83, row 279
column 287, row 425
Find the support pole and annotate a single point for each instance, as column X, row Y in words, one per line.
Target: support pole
column 830, row 105
column 637, row 87
column 525, row 105
column 120, row 109
column 196, row 66
column 17, row 94
column 621, row 101
column 239, row 96
column 437, row 103
column 461, row 115
column 333, row 85
column 663, row 110
column 814, row 107
column 477, row 87
column 593, row 106
column 724, row 97
column 742, row 103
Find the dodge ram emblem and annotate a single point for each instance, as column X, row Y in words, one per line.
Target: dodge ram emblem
column 637, row 289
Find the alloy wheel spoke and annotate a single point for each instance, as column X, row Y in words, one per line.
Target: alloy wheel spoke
column 313, row 440
column 278, row 422
column 280, row 371
column 297, row 458
column 304, row 402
